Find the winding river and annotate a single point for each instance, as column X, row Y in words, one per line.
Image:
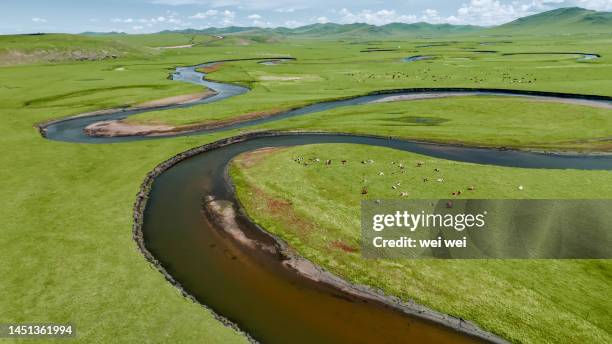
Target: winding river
column 189, row 224
column 584, row 56
column 417, row 58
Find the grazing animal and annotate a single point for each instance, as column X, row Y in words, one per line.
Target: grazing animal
column 403, row 194
column 471, row 188
column 364, row 190
column 328, row 162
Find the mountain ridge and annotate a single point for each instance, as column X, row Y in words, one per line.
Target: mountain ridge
column 334, row 29
column 567, row 20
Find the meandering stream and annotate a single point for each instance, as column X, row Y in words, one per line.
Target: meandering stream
column 253, row 286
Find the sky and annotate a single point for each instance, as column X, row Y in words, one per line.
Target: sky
column 146, row 16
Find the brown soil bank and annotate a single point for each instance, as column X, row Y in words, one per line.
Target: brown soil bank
column 121, row 128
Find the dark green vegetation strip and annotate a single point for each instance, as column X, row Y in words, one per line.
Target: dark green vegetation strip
column 92, row 91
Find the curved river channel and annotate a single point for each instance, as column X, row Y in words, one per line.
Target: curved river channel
column 190, row 225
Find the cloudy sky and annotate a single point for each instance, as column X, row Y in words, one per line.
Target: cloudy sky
column 144, row 16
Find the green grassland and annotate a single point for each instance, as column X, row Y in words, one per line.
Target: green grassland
column 59, row 90
column 332, row 70
column 28, row 49
column 67, row 250
column 159, row 40
column 525, row 301
column 476, row 121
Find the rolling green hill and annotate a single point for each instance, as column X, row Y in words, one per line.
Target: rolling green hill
column 34, row 48
column 569, row 20
column 89, row 46
column 422, row 28
column 393, row 29
column 335, row 31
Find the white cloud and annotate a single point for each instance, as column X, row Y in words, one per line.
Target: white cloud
column 285, row 10
column 322, row 20
column 474, row 12
column 432, row 16
column 213, row 13
column 228, row 17
column 289, row 5
column 260, row 23
column 380, row 17
column 137, row 27
column 254, row 16
column 430, row 13
column 170, row 18
column 39, row 20
column 120, row 20
column 293, row 23
column 599, row 5
column 175, row 2
column 205, row 15
column 489, row 12
column 494, row 12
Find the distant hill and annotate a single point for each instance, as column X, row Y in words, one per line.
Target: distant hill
column 41, row 48
column 569, row 20
column 93, row 33
column 217, row 30
column 335, row 31
column 560, row 21
column 393, row 29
